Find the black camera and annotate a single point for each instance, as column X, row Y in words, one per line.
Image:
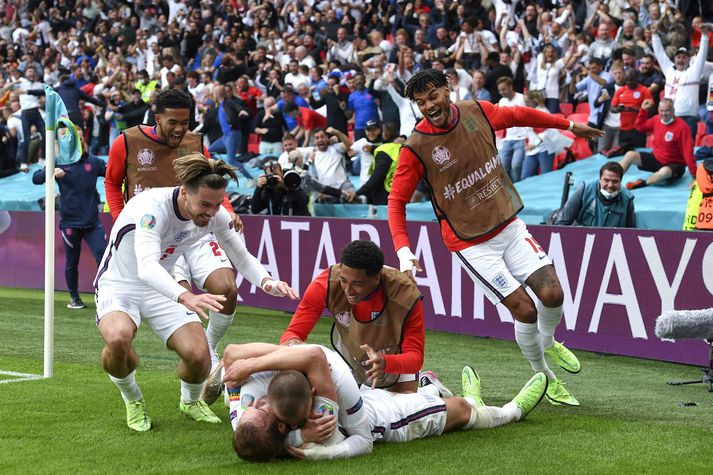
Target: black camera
column 272, row 180
column 292, row 179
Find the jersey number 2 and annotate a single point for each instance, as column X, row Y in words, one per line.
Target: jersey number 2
column 216, row 248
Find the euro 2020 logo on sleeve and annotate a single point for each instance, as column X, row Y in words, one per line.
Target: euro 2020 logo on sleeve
column 148, row 221
column 441, row 155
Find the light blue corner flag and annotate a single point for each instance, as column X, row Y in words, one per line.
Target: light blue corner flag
column 57, row 119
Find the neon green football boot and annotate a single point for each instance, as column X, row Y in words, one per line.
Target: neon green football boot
column 137, row 417
column 199, row 411
column 471, row 385
column 531, row 394
column 557, row 394
column 564, row 358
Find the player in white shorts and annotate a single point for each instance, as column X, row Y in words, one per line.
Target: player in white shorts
column 391, row 417
column 134, row 282
column 453, row 151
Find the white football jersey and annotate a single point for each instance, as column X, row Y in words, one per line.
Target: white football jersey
column 150, row 235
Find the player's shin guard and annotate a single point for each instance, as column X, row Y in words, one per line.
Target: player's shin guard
column 217, row 326
column 130, row 391
column 528, row 339
column 547, row 320
column 487, row 417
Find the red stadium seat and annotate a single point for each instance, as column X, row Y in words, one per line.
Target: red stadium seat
column 254, row 143
column 579, row 117
column 707, row 140
column 582, row 108
column 566, row 108
column 700, row 132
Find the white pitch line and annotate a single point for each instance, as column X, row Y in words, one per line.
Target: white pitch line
column 18, row 377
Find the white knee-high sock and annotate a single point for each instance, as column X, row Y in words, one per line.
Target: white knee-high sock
column 528, row 339
column 130, row 391
column 218, row 324
column 190, row 392
column 547, row 320
column 487, row 417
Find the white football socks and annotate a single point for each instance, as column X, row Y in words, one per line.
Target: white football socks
column 190, row 392
column 528, row 339
column 547, row 320
column 218, row 324
column 130, row 391
column 487, row 417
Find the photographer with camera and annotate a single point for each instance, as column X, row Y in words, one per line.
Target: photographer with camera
column 278, row 193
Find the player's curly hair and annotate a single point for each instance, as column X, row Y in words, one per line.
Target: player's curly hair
column 363, row 255
column 259, row 441
column 290, row 396
column 420, row 81
column 195, row 170
column 172, row 99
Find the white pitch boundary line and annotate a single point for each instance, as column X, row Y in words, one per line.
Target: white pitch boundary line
column 18, row 377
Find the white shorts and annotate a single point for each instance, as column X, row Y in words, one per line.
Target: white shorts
column 159, row 312
column 200, row 260
column 502, row 264
column 404, row 417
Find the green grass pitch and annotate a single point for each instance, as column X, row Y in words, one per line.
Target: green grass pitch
column 630, row 420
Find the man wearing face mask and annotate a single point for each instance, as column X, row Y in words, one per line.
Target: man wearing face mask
column 600, row 203
column 672, row 149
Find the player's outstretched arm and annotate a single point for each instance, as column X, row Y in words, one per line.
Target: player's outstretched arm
column 583, row 130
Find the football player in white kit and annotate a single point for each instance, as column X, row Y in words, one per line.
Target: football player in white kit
column 268, row 404
column 134, row 281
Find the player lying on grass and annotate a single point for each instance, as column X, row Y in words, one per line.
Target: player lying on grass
column 134, row 282
column 284, row 400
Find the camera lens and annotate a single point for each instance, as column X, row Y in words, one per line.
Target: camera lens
column 292, row 179
column 272, row 181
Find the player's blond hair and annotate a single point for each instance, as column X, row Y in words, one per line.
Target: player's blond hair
column 195, row 170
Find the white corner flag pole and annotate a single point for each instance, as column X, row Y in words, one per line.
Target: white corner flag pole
column 49, row 252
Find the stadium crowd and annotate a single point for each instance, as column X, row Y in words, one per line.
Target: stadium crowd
column 319, row 85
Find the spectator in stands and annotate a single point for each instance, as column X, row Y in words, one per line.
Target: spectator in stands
column 683, row 78
column 536, row 154
column 288, row 95
column 133, row 113
column 231, row 115
column 307, row 122
column 382, row 168
column 329, row 164
column 78, row 214
column 30, row 88
column 610, row 119
column 672, row 149
column 11, row 138
column 334, row 100
column 650, row 77
column 592, row 80
column 600, row 203
column 603, row 46
column 513, row 149
column 480, row 93
column 627, row 101
column 270, row 126
column 547, row 75
column 362, row 105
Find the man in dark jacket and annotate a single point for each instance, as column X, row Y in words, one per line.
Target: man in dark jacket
column 600, row 203
column 71, row 95
column 78, row 215
column 133, row 113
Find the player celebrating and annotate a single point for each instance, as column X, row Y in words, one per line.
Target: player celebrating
column 453, row 150
column 141, row 158
column 279, row 401
column 378, row 318
column 134, row 282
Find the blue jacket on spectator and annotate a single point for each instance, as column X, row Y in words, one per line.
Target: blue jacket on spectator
column 79, row 202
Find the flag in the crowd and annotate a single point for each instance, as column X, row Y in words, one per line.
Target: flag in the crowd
column 57, row 119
